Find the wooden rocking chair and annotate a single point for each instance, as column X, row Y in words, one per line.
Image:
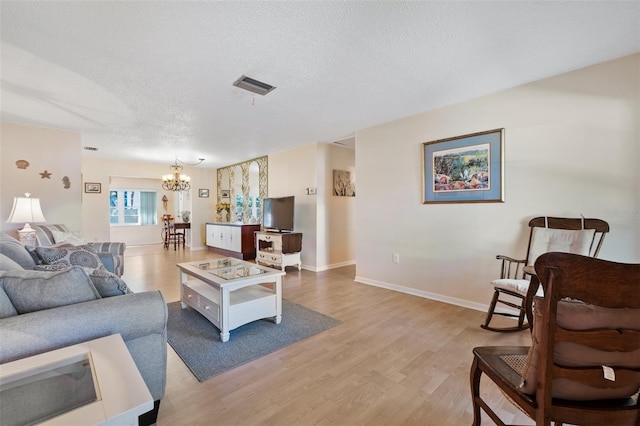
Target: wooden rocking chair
column 518, row 284
column 583, row 367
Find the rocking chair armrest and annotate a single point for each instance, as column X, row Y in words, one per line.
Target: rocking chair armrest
column 510, row 267
column 510, row 259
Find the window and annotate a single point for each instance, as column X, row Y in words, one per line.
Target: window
column 131, row 207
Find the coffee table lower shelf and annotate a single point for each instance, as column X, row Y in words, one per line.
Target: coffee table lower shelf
column 246, row 305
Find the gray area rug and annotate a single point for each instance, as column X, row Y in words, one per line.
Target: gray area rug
column 198, row 343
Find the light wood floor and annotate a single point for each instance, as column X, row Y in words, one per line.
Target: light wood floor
column 396, row 359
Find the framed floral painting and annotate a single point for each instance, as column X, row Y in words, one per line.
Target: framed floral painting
column 464, row 169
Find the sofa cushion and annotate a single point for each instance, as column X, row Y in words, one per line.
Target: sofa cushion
column 8, row 264
column 15, row 250
column 70, row 255
column 575, row 315
column 31, row 291
column 6, row 307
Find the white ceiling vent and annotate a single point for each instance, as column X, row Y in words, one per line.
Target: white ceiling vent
column 252, row 85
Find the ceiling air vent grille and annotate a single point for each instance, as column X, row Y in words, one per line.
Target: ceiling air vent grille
column 252, row 85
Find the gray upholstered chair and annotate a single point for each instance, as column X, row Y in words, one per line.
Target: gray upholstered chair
column 48, row 235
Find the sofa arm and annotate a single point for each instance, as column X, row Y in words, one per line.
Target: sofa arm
column 108, row 260
column 140, row 318
column 111, row 247
column 117, row 249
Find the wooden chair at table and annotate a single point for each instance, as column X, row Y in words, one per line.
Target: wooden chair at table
column 171, row 235
column 583, row 367
column 516, row 287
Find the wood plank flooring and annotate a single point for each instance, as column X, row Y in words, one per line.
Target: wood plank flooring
column 396, row 359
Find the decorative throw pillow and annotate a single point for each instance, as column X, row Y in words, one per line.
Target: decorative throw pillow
column 51, row 268
column 105, row 282
column 70, row 255
column 108, row 284
column 31, row 291
column 15, row 250
column 576, row 315
column 74, row 238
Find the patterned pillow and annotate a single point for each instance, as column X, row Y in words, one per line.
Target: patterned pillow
column 51, row 268
column 70, row 255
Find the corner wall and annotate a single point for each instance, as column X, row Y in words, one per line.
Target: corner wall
column 571, row 148
column 55, row 151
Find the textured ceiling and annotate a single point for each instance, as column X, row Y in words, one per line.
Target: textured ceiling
column 149, row 81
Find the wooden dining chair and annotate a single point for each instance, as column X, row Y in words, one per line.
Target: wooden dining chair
column 583, row 367
column 515, row 288
column 171, row 235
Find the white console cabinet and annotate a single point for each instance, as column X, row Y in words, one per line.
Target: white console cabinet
column 231, row 239
column 279, row 249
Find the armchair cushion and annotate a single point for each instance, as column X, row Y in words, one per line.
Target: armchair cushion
column 575, row 315
column 31, row 291
column 544, row 240
column 74, row 238
column 516, row 286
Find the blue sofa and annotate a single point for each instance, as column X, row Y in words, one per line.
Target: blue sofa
column 43, row 310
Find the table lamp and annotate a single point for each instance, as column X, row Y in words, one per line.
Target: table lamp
column 26, row 209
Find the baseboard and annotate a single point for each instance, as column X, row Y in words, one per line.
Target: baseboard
column 328, row 267
column 426, row 294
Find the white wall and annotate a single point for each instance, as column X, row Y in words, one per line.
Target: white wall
column 571, row 148
column 57, row 152
column 326, row 221
column 95, row 206
column 339, row 213
column 290, row 173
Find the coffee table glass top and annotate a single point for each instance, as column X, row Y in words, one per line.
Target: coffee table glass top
column 230, row 268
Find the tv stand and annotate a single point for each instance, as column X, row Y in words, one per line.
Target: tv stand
column 279, row 249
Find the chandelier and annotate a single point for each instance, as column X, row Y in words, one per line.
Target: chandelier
column 176, row 181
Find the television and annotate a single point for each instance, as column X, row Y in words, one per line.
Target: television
column 277, row 214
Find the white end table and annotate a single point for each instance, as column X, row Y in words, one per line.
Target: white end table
column 95, row 382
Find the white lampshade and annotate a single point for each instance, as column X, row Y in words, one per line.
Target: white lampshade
column 26, row 210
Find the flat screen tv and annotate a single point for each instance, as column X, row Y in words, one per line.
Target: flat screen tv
column 277, row 214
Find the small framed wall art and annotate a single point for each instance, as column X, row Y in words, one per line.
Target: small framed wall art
column 464, row 169
column 203, row 193
column 92, row 187
column 224, row 193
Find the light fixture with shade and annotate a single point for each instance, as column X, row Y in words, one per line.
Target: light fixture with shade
column 26, row 210
column 176, row 180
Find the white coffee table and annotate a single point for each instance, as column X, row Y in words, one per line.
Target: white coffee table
column 230, row 292
column 95, row 382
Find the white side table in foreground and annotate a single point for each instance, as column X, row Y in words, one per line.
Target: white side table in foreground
column 95, row 382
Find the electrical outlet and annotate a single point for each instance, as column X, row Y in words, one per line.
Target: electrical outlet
column 396, row 257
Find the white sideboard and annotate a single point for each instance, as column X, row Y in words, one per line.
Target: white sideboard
column 279, row 249
column 232, row 239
